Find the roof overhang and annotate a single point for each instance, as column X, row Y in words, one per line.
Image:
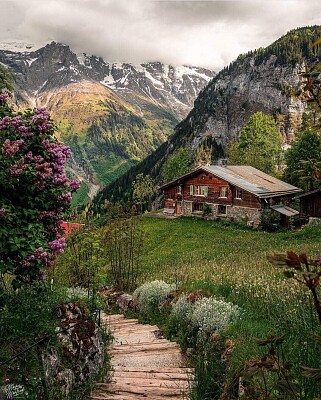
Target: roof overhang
column 277, row 194
column 285, row 210
column 308, row 193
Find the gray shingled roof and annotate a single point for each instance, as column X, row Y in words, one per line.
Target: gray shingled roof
column 247, row 178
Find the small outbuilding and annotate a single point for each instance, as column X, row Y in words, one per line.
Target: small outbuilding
column 233, row 192
column 310, row 203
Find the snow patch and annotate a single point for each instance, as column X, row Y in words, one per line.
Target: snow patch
column 31, row 60
column 108, row 81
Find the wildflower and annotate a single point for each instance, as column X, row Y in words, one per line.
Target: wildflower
column 211, row 316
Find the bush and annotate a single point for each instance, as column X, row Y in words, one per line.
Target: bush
column 150, row 294
column 182, row 309
column 212, row 316
column 35, row 192
column 179, row 321
column 270, row 220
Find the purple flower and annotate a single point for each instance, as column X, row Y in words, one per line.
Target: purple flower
column 3, row 97
column 9, row 148
column 65, row 197
column 74, row 185
column 57, row 246
column 46, row 214
column 2, row 212
column 41, row 275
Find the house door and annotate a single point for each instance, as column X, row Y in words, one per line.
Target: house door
column 178, row 208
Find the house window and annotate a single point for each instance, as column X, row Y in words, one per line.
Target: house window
column 238, row 194
column 221, row 210
column 198, row 190
column 223, row 191
column 198, row 207
column 179, row 189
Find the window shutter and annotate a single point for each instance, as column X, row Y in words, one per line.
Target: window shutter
column 206, row 191
column 191, row 190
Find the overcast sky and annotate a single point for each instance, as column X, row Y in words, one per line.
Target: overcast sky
column 203, row 33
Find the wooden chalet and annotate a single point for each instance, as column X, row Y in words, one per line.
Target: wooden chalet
column 232, row 192
column 310, row 204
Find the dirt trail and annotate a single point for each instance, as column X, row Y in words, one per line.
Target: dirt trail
column 145, row 366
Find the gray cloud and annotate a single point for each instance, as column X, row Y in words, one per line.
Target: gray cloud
column 205, row 33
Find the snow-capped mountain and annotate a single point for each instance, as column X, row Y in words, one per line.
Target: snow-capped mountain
column 55, row 65
column 112, row 114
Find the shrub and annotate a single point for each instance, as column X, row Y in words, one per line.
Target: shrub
column 150, row 294
column 212, row 316
column 182, row 309
column 179, row 321
column 35, row 192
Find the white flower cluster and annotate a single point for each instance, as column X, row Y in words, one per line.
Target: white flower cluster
column 150, row 294
column 76, row 293
column 12, row 391
column 211, row 315
column 182, row 310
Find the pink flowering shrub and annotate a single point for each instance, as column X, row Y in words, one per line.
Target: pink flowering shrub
column 35, row 192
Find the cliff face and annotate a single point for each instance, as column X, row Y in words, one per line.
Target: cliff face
column 226, row 104
column 265, row 80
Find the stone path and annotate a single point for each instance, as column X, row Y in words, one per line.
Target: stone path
column 145, row 366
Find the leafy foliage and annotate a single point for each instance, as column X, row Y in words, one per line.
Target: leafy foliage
column 34, row 192
column 143, row 188
column 303, row 161
column 177, row 164
column 259, row 144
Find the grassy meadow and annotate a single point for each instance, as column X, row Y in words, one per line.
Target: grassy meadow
column 229, row 261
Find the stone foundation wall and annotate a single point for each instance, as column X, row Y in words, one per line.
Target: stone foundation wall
column 237, row 213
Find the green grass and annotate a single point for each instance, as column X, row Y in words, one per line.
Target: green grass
column 230, row 261
column 80, row 197
column 195, row 248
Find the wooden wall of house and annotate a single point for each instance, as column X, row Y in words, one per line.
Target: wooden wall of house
column 311, row 205
column 214, row 184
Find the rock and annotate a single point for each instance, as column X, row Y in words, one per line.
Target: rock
column 81, row 348
column 126, row 301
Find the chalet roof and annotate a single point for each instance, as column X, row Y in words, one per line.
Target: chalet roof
column 247, row 178
column 308, row 193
